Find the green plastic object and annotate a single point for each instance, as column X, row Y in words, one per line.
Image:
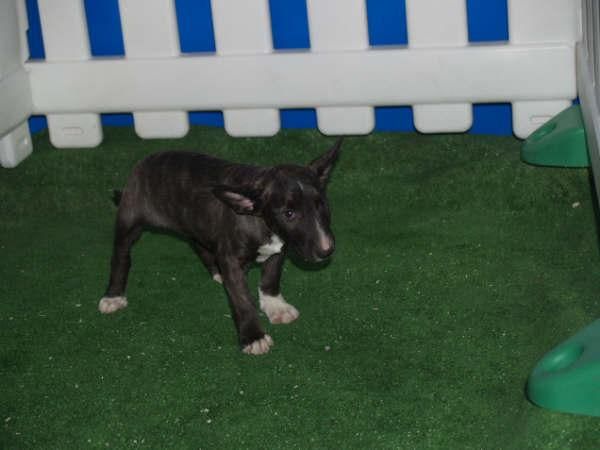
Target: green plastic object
column 559, row 142
column 567, row 378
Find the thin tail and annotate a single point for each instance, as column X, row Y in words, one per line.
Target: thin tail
column 117, row 197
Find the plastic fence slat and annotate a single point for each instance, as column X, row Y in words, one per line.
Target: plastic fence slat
column 432, row 23
column 150, row 31
column 337, row 25
column 245, row 28
column 65, row 34
column 535, row 22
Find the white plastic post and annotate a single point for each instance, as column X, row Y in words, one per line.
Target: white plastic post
column 15, row 95
column 336, row 25
column 65, row 34
column 150, row 31
column 539, row 22
column 438, row 24
column 588, row 82
column 244, row 27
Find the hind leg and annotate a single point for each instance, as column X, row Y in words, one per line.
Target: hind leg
column 209, row 261
column 125, row 237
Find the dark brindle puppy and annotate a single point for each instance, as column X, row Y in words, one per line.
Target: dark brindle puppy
column 234, row 215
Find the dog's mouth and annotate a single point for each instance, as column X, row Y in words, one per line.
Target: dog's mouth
column 312, row 257
column 321, row 258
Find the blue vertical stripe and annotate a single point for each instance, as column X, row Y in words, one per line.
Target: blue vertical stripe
column 196, row 32
column 104, row 27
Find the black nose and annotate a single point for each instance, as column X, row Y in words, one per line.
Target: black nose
column 326, row 252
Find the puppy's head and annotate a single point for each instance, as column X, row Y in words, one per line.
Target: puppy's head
column 292, row 201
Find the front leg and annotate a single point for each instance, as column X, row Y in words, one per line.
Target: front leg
column 269, row 293
column 252, row 338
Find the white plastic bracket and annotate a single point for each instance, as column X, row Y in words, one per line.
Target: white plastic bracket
column 15, row 146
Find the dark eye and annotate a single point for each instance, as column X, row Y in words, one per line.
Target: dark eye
column 289, row 214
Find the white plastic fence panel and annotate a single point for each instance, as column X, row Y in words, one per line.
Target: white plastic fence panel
column 65, row 34
column 336, row 25
column 150, row 31
column 244, row 27
column 536, row 22
column 437, row 24
column 15, row 94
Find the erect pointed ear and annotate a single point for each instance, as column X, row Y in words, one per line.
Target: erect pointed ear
column 241, row 199
column 323, row 164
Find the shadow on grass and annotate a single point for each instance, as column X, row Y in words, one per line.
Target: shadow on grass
column 296, row 260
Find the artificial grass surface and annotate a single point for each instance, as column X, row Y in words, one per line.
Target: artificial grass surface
column 457, row 267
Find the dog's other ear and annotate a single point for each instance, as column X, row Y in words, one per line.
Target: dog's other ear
column 323, row 164
column 241, row 200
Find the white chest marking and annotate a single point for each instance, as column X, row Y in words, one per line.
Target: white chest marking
column 269, row 249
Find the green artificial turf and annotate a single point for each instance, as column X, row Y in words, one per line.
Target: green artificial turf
column 457, row 267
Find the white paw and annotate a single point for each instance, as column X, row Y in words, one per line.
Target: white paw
column 259, row 347
column 109, row 305
column 276, row 308
column 218, row 278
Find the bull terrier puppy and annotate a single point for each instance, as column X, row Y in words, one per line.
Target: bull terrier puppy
column 234, row 215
